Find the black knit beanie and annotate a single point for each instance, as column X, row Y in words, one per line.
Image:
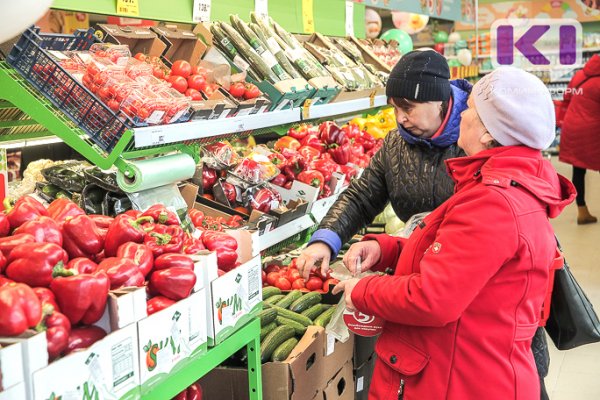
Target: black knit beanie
column 421, row 76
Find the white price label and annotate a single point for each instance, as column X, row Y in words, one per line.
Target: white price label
column 244, row 112
column 201, row 12
column 360, row 384
column 227, row 315
column 349, row 18
column 241, row 63
column 155, row 117
column 261, row 7
column 273, row 45
column 330, row 344
column 158, row 138
column 269, row 59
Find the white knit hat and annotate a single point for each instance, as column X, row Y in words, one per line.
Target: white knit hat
column 516, row 108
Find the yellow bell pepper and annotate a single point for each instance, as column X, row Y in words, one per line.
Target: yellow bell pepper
column 373, row 129
column 360, row 122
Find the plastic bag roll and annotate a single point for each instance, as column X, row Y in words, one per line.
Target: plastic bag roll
column 156, row 172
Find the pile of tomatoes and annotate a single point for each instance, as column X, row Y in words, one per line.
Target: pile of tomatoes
column 289, row 278
column 244, row 91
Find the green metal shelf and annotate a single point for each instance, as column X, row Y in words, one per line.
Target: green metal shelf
column 248, row 336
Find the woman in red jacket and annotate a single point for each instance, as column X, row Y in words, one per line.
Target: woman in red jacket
column 580, row 138
column 466, row 295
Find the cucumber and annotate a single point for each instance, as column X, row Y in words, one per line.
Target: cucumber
column 305, row 302
column 269, row 291
column 282, row 312
column 298, row 327
column 265, row 330
column 274, row 299
column 273, row 340
column 283, row 351
column 315, row 310
column 289, row 299
column 324, row 318
column 267, row 316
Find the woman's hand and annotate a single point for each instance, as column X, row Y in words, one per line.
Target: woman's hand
column 347, row 287
column 314, row 253
column 368, row 252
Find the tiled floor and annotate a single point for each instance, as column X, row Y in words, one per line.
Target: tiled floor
column 575, row 374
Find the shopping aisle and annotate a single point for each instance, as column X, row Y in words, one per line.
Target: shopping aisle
column 574, row 374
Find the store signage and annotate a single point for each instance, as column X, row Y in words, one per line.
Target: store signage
column 128, row 7
column 201, row 11
column 261, row 7
column 349, row 18
column 539, row 44
column 308, row 18
column 446, row 9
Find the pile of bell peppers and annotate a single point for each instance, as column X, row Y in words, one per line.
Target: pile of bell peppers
column 57, row 266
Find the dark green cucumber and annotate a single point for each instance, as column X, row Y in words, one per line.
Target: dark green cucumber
column 265, row 330
column 283, row 351
column 274, row 299
column 298, row 327
column 316, row 310
column 305, row 302
column 282, row 312
column 267, row 316
column 289, row 299
column 273, row 340
column 269, row 291
column 324, row 318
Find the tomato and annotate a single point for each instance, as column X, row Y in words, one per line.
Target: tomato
column 272, row 268
column 293, row 274
column 181, row 68
column 237, row 90
column 328, row 282
column 92, row 69
column 113, row 105
column 299, row 284
column 314, row 283
column 283, row 284
column 158, row 73
column 196, row 82
column 208, row 196
column 264, row 278
column 251, row 91
column 140, row 56
column 104, row 93
column 196, row 70
column 194, row 94
column 242, row 210
column 210, row 89
column 178, row 83
column 272, row 277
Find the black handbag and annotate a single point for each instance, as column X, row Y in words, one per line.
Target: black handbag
column 572, row 321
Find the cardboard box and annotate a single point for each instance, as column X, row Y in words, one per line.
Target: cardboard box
column 362, row 378
column 11, row 364
column 139, row 39
column 341, row 387
column 212, row 109
column 347, row 95
column 169, row 337
column 124, row 306
column 181, row 44
column 285, row 94
column 34, row 356
column 335, row 354
column 326, row 89
column 108, row 369
column 294, row 209
column 369, row 56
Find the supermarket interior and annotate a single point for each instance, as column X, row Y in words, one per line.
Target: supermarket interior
column 299, row 199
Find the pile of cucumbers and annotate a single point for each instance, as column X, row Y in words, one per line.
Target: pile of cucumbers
column 285, row 318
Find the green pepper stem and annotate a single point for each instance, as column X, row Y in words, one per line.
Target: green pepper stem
column 59, row 270
column 161, row 238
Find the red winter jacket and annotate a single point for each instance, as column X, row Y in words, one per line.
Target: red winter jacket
column 466, row 295
column 580, row 133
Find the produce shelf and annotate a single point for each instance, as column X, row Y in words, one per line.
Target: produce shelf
column 343, row 107
column 284, row 232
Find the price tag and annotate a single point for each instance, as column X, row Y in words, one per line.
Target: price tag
column 306, row 109
column 128, row 7
column 201, row 11
column 372, row 99
column 360, row 384
column 308, row 21
column 349, row 18
column 330, row 344
column 261, row 7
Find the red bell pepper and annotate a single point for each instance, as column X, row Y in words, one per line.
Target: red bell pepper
column 157, row 304
column 313, row 140
column 235, row 221
column 193, row 392
column 20, row 309
column 82, row 265
column 135, row 214
column 122, row 272
column 312, row 178
column 349, row 171
column 83, row 337
column 61, row 209
column 174, row 283
column 81, row 237
column 192, row 245
column 43, row 229
column 366, row 141
column 2, row 262
column 209, row 178
column 362, row 161
column 325, row 167
column 140, row 254
column 171, row 260
column 102, row 221
column 224, row 245
column 7, row 244
column 340, row 153
column 165, row 239
column 4, row 225
column 325, row 192
column 278, row 160
column 25, row 209
column 288, row 185
column 161, row 215
column 330, row 133
column 286, row 142
column 124, row 229
column 58, row 329
column 309, row 153
column 298, row 132
column 230, row 192
column 352, row 131
column 5, row 281
column 356, row 150
column 197, row 217
column 33, row 263
column 81, row 297
column 279, row 180
column 46, row 297
column 265, row 199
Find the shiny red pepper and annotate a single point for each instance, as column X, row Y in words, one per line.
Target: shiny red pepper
column 4, row 225
column 224, row 245
column 340, row 153
column 230, row 192
column 43, row 229
column 102, row 221
column 5, row 281
column 161, row 215
column 309, row 153
column 235, row 221
column 2, row 262
column 83, row 337
column 193, row 392
column 157, row 304
column 279, row 180
column 278, row 160
column 313, row 140
column 192, row 245
column 165, row 239
column 174, row 283
column 170, row 260
column 124, row 229
column 122, row 272
column 34, row 263
column 324, row 166
column 209, row 178
column 7, row 244
column 298, row 132
column 61, row 209
column 197, row 217
column 46, row 297
column 81, row 297
column 82, row 265
column 140, row 254
column 366, row 141
column 265, row 199
column 25, row 209
column 325, row 192
column 81, row 237
column 330, row 133
column 350, row 173
column 20, row 309
column 135, row 214
column 312, row 178
column 57, row 328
